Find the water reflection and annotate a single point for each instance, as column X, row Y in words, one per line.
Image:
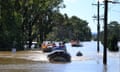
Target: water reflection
column 70, row 67
column 104, row 68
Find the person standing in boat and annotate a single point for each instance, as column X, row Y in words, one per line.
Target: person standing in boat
column 54, row 47
column 62, row 46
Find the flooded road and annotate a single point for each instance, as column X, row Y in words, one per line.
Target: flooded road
column 36, row 61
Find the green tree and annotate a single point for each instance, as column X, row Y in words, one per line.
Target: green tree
column 69, row 28
column 25, row 20
column 80, row 29
column 10, row 30
column 113, row 34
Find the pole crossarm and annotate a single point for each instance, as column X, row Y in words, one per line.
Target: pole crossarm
column 97, row 4
column 95, row 17
column 113, row 2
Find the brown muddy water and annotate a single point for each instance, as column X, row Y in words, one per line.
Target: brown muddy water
column 36, row 61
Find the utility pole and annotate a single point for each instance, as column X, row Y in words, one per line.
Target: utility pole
column 105, row 32
column 105, row 28
column 98, row 24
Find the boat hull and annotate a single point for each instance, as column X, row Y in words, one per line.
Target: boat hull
column 59, row 56
column 76, row 45
column 47, row 49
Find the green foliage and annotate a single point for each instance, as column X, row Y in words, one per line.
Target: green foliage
column 10, row 25
column 112, row 45
column 23, row 21
column 69, row 28
column 113, row 36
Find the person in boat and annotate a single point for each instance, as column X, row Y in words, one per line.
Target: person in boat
column 49, row 45
column 46, row 47
column 43, row 45
column 54, row 45
column 62, row 46
column 59, row 53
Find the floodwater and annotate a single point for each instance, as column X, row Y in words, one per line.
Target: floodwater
column 91, row 61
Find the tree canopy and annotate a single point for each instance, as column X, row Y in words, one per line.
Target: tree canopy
column 113, row 34
column 24, row 21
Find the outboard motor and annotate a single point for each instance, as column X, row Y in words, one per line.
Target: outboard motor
column 79, row 54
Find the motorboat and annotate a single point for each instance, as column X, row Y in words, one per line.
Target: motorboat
column 75, row 43
column 59, row 56
column 46, row 47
